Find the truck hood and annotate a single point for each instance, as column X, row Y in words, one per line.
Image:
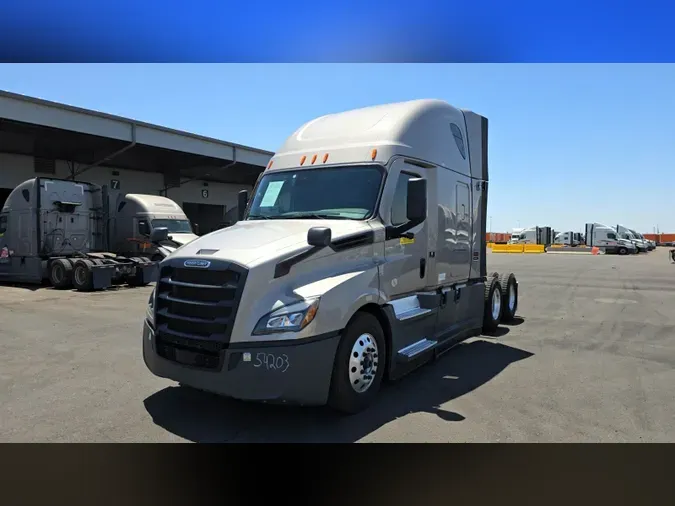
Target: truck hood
column 257, row 241
column 183, row 238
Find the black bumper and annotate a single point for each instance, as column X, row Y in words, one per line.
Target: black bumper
column 295, row 373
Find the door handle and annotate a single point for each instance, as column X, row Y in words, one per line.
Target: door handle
column 423, row 265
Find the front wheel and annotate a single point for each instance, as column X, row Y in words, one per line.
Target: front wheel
column 359, row 365
column 622, row 251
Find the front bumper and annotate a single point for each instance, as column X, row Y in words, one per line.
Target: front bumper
column 285, row 372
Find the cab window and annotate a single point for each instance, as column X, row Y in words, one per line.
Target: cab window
column 3, row 224
column 399, row 205
column 143, row 227
column 611, row 236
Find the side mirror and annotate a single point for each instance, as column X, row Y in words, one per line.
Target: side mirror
column 160, row 234
column 319, row 236
column 242, row 202
column 416, row 210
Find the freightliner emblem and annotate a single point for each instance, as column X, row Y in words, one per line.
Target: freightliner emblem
column 201, row 264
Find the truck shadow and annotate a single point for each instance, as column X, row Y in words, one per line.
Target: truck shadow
column 206, row 418
column 27, row 286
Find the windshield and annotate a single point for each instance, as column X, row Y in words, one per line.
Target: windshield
column 331, row 193
column 174, row 226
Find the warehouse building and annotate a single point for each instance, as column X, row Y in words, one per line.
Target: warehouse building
column 201, row 174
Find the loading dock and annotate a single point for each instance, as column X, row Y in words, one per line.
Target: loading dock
column 207, row 217
column 43, row 138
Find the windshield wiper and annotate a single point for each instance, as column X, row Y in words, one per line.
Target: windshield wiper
column 315, row 216
column 258, row 217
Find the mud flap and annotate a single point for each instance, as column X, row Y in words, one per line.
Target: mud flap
column 101, row 276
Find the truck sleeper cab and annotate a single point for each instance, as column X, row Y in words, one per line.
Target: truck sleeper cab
column 360, row 256
column 605, row 238
column 134, row 218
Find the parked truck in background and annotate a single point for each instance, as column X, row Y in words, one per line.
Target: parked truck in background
column 569, row 238
column 360, row 256
column 70, row 233
column 605, row 238
column 533, row 235
column 628, row 234
column 134, row 216
column 646, row 244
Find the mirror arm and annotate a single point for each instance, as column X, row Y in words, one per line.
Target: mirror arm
column 394, row 232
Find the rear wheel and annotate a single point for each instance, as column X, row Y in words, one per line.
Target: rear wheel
column 509, row 289
column 82, row 276
column 359, row 365
column 492, row 313
column 60, row 273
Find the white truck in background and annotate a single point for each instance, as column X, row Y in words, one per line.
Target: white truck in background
column 648, row 245
column 606, row 238
column 569, row 238
column 628, row 234
column 533, row 235
column 72, row 234
column 515, row 234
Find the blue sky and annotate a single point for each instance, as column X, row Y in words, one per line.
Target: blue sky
column 568, row 143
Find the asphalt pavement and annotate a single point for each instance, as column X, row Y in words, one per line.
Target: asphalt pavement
column 591, row 359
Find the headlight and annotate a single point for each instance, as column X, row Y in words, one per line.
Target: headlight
column 150, row 310
column 291, row 318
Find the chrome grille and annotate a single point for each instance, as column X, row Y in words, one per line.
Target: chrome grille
column 195, row 311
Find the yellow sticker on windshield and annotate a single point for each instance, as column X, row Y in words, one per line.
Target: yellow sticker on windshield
column 405, row 240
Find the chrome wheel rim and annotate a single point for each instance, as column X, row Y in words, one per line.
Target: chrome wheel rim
column 363, row 363
column 512, row 297
column 496, row 305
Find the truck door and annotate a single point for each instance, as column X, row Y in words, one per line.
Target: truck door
column 406, row 268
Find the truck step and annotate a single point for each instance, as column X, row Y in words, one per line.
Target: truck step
column 408, row 308
column 412, row 351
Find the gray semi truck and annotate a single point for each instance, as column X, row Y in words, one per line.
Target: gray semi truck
column 73, row 234
column 360, row 256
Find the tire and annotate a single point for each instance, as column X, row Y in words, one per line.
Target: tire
column 622, row 251
column 61, row 273
column 82, row 276
column 347, row 393
column 509, row 289
column 493, row 297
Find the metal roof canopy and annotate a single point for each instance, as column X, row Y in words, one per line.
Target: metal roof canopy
column 45, row 129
